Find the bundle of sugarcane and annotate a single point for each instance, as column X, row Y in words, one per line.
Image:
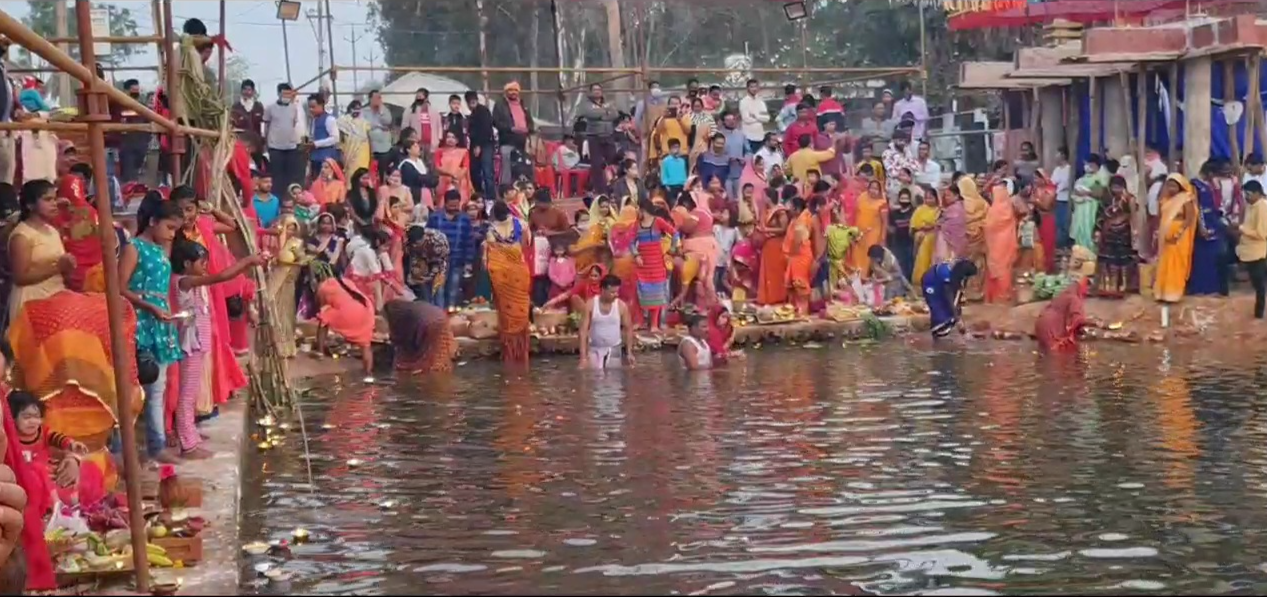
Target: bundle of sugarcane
column 201, row 107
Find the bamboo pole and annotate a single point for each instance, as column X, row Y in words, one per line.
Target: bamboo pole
column 1172, row 125
column 176, row 146
column 1124, row 78
column 1096, row 140
column 114, row 39
column 609, row 70
column 109, row 69
column 96, row 110
column 1256, row 62
column 1035, row 109
column 24, row 37
column 1140, row 219
column 1229, row 94
column 1253, row 104
column 224, row 77
column 109, row 127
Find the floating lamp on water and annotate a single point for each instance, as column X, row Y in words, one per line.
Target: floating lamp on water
column 265, row 446
column 300, row 535
column 267, row 421
column 387, row 504
column 328, row 426
column 355, row 462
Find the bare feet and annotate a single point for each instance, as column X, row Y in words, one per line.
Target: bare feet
column 167, row 457
column 197, row 454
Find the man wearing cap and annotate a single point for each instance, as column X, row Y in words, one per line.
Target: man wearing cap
column 247, row 114
column 514, row 124
column 284, row 128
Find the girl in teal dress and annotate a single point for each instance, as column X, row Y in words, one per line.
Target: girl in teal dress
column 146, row 272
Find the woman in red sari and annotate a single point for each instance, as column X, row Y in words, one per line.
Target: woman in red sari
column 1043, row 195
column 1058, row 325
column 453, row 163
column 77, row 222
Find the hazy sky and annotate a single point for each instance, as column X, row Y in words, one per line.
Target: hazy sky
column 256, row 35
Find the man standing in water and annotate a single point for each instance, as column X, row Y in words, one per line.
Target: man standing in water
column 694, row 350
column 605, row 324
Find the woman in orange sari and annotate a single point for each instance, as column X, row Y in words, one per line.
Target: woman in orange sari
column 772, row 279
column 1176, row 232
column 871, row 218
column 453, row 164
column 504, row 249
column 621, row 237
column 329, row 187
column 1002, row 246
column 799, row 249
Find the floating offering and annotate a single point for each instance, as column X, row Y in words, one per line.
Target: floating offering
column 300, row 535
column 256, row 548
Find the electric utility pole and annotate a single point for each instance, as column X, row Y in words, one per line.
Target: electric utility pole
column 352, row 38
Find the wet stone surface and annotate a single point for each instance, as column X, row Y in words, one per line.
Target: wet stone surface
column 894, row 468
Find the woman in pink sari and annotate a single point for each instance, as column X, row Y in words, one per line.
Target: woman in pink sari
column 952, row 228
column 695, row 223
column 453, row 164
column 1001, row 246
column 329, row 187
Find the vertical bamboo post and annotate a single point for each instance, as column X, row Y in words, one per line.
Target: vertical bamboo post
column 1125, row 78
column 95, row 110
column 1256, row 62
column 224, row 77
column 1035, row 110
column 1253, row 103
column 176, row 144
column 1172, row 125
column 1141, row 168
column 1229, row 95
column 1093, row 83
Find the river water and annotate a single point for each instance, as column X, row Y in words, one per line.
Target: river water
column 890, row 469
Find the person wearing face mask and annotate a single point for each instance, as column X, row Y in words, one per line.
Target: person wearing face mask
column 668, row 127
column 425, row 118
column 285, row 126
column 648, row 110
column 247, row 113
column 129, row 148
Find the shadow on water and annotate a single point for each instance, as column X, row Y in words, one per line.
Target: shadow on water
column 893, row 469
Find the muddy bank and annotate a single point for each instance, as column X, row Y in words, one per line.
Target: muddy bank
column 1200, row 318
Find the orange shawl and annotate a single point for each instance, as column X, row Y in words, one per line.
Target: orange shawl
column 330, row 191
column 800, row 252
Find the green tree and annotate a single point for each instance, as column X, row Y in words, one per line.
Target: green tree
column 41, row 19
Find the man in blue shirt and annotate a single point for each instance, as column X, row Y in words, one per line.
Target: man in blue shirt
column 267, row 207
column 673, row 170
column 736, row 146
column 456, row 227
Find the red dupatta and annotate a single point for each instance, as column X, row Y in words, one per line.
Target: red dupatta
column 77, row 222
column 39, row 565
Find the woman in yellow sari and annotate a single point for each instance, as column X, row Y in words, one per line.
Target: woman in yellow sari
column 924, row 226
column 975, row 207
column 504, row 251
column 354, row 138
column 592, row 248
column 671, row 126
column 283, row 274
column 1176, row 231
column 872, row 218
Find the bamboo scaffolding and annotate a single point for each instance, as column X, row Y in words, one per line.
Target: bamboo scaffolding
column 94, row 115
column 626, row 71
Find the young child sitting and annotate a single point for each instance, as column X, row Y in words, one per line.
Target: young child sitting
column 42, row 448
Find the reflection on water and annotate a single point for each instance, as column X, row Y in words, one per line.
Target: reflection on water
column 895, row 469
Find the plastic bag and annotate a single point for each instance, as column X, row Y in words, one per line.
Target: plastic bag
column 67, row 518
